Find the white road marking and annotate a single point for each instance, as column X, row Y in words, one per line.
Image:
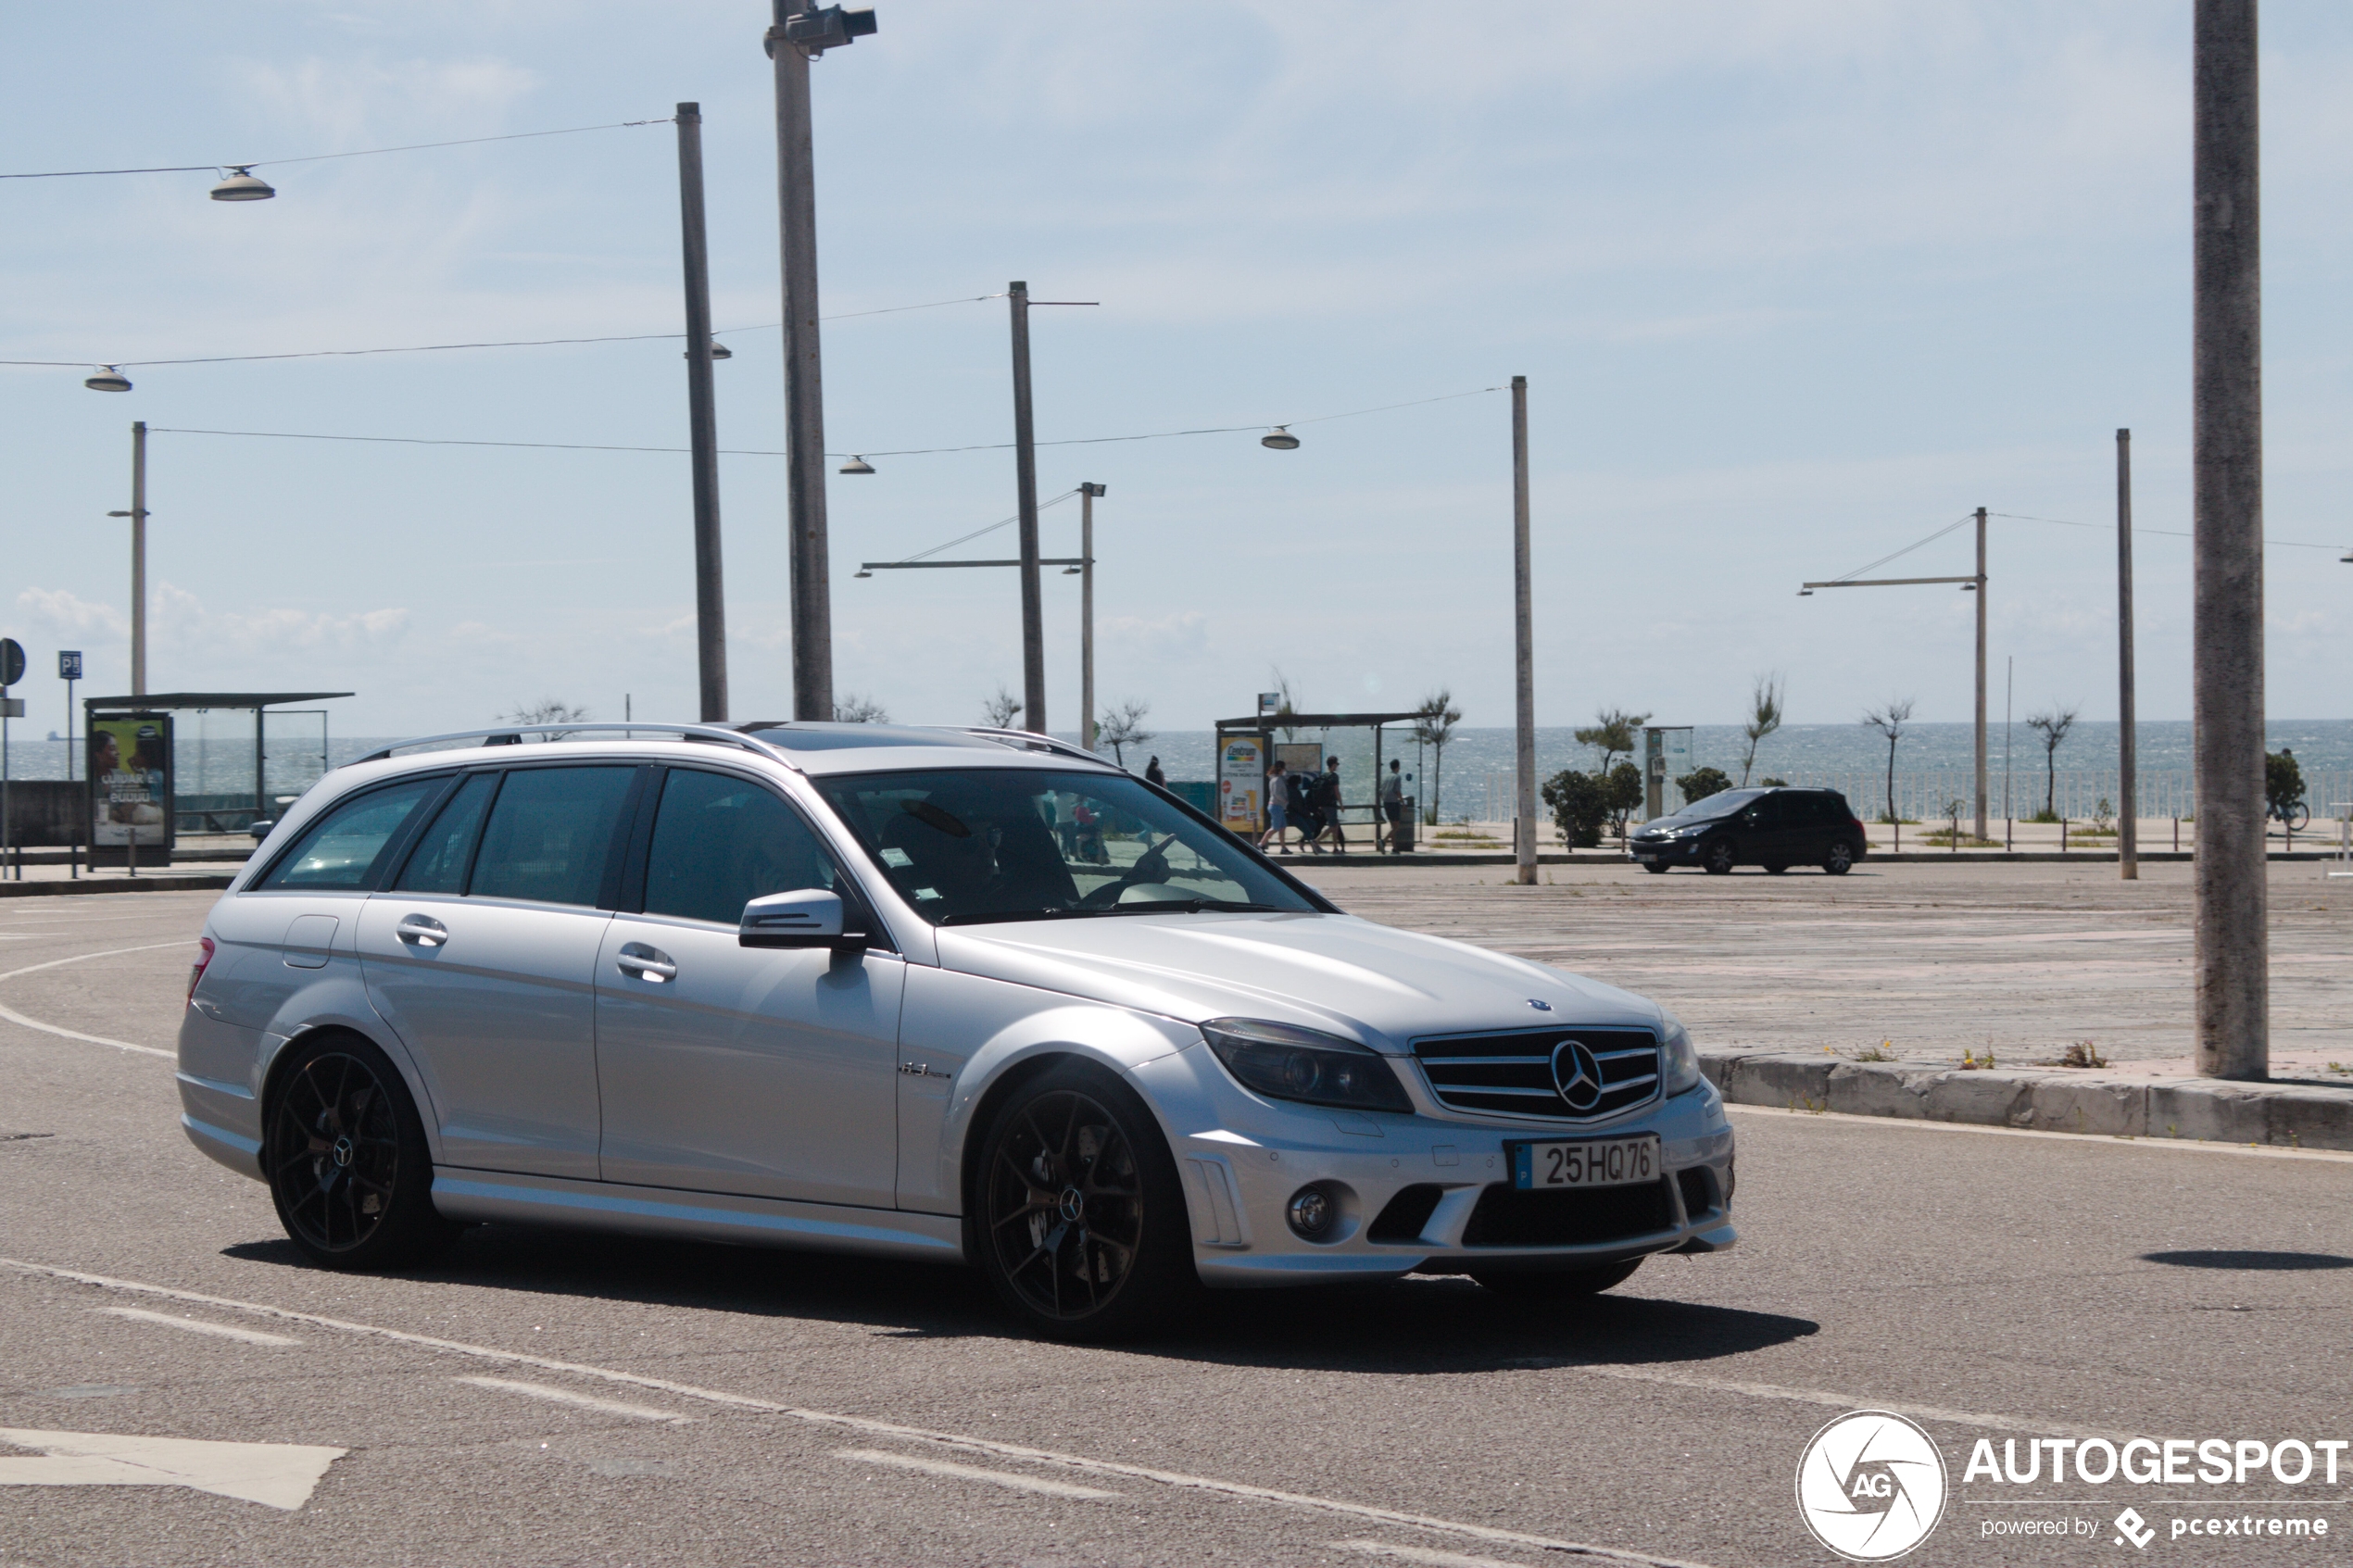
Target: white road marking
column 2110, row 1140
column 197, row 1326
column 1842, row 1401
column 973, row 1473
column 15, row 1017
column 1391, row 1551
column 867, row 1428
column 554, row 1395
column 274, row 1474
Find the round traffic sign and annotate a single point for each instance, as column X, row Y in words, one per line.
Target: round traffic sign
column 11, row 661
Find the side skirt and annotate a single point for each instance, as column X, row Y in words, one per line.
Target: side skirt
column 461, row 1194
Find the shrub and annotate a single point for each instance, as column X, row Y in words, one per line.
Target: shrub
column 1581, row 805
column 1701, row 783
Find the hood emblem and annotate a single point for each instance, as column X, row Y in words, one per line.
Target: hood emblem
column 1576, row 1075
column 1540, row 1005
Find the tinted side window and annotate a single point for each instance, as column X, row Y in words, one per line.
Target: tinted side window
column 341, row 851
column 721, row 842
column 550, row 833
column 439, row 863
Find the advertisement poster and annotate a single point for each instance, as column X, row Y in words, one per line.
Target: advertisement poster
column 1242, row 782
column 131, row 778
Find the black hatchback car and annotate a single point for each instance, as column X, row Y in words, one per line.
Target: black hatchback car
column 1773, row 828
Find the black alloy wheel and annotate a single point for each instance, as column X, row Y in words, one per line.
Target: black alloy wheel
column 346, row 1159
column 1084, row 1235
column 1567, row 1285
column 1719, row 858
column 1840, row 858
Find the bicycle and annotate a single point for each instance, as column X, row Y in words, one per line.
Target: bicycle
column 2294, row 814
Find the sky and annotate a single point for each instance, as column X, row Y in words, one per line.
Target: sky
column 1794, row 285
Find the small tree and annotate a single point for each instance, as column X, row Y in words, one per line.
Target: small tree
column 1121, row 727
column 1286, row 705
column 1434, row 723
column 1581, row 805
column 852, row 709
column 1763, row 717
column 1613, row 734
column 1624, row 788
column 2052, row 725
column 1890, row 721
column 1000, row 712
column 546, row 710
column 1701, row 783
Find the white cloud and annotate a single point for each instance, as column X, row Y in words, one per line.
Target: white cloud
column 181, row 621
column 59, row 611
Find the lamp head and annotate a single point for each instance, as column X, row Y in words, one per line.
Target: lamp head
column 108, row 379
column 243, row 185
column 857, row 465
column 1280, row 439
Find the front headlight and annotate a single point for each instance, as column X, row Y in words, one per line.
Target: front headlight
column 1677, row 1062
column 1284, row 1062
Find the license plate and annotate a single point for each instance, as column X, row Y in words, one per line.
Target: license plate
column 1646, row 854
column 1592, row 1162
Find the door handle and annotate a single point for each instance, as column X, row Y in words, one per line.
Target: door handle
column 422, row 931
column 646, row 963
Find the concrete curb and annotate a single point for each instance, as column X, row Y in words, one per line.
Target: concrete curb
column 2059, row 1100
column 67, row 887
column 1876, row 856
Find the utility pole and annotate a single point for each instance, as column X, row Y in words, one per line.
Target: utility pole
column 139, row 558
column 1033, row 611
column 799, row 36
column 702, row 428
column 2128, row 817
column 1087, row 494
column 1523, row 597
column 1982, row 823
column 2232, row 948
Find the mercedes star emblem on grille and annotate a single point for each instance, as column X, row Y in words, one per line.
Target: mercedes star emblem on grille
column 1576, row 1075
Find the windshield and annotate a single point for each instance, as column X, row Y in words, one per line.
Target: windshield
column 993, row 844
column 1724, row 803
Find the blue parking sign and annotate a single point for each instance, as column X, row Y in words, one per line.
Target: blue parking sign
column 70, row 665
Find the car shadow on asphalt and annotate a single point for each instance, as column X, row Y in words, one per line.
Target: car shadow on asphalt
column 1419, row 1325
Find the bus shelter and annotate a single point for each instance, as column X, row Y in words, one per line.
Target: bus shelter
column 166, row 763
column 1247, row 749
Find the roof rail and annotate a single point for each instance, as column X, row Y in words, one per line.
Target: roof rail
column 1030, row 740
column 511, row 734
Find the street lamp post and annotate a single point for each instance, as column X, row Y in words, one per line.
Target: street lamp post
column 1524, row 639
column 798, row 36
column 1087, row 494
column 138, row 515
column 1033, row 605
column 711, row 597
column 1976, row 585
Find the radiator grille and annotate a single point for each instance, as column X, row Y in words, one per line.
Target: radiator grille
column 1516, row 1075
column 1508, row 1217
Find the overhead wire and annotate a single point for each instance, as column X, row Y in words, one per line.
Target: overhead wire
column 320, row 158
column 977, row 532
column 1906, row 550
column 2167, row 532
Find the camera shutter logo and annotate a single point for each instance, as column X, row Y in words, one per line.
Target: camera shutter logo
column 1872, row 1485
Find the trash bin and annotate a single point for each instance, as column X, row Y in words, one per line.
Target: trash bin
column 1401, row 835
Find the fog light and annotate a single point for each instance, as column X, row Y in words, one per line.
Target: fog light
column 1311, row 1214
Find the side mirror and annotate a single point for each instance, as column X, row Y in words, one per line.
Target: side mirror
column 810, row 917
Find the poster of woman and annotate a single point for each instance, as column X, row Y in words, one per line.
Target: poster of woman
column 131, row 778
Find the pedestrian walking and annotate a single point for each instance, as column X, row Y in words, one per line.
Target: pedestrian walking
column 1152, row 774
column 1328, row 805
column 1392, row 803
column 1278, row 809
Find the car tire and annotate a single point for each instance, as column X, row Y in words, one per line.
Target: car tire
column 1775, row 868
column 1840, row 860
column 1655, row 868
column 1567, row 1285
column 1719, row 858
column 346, row 1160
column 1081, row 1218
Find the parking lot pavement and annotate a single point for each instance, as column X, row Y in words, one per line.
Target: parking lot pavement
column 542, row 1396
column 2023, row 961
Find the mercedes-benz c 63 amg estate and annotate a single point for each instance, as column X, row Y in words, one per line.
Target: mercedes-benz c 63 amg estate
column 972, row 997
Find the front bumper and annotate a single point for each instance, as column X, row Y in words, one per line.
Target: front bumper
column 1674, row 851
column 1242, row 1159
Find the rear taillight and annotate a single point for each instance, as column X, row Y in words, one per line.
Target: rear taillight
column 204, row 957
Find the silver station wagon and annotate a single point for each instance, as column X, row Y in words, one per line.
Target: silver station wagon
column 967, row 996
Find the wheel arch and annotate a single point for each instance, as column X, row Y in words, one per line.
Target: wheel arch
column 273, row 1073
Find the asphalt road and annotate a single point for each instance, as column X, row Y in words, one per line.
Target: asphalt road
column 547, row 1398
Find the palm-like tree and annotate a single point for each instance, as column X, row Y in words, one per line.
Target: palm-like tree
column 1890, row 721
column 2052, row 724
column 1434, row 723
